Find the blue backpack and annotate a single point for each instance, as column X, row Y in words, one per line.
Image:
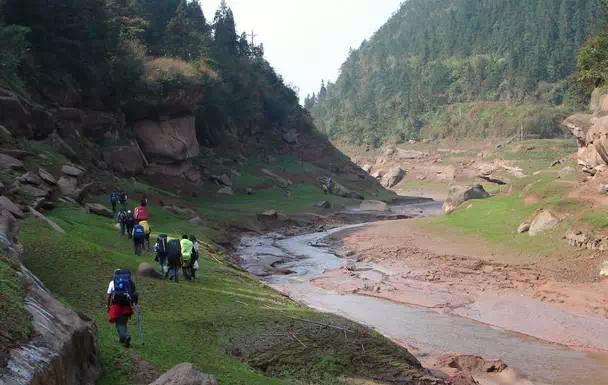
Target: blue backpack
column 139, row 232
column 114, row 197
column 123, row 288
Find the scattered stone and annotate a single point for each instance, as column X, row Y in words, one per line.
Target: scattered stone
column 268, row 215
column 226, row 191
column 249, row 191
column 53, row 225
column 32, row 191
column 282, row 182
column 72, row 170
column 460, row 194
column 7, row 162
column 235, row 172
column 47, row 176
column 523, row 228
column 147, row 270
column 566, row 172
column 185, row 374
column 367, row 168
column 402, row 154
column 545, row 220
column 179, row 210
column 604, row 269
column 31, row 178
column 586, row 240
column 378, row 174
column 8, row 205
column 491, row 179
column 603, row 189
column 99, row 209
column 323, row 205
column 393, row 177
column 370, row 205
column 223, row 179
column 196, row 221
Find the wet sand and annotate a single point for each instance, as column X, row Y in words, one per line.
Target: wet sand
column 402, row 263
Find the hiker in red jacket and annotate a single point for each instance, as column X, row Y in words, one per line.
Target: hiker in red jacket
column 141, row 212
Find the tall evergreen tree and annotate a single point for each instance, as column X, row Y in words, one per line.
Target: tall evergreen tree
column 225, row 37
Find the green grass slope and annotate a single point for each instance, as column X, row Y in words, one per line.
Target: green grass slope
column 225, row 322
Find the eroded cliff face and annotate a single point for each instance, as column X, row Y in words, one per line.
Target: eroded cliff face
column 591, row 133
column 62, row 348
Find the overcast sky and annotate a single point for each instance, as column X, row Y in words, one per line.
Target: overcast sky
column 307, row 40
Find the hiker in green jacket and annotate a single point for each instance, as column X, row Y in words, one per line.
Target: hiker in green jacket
column 187, row 246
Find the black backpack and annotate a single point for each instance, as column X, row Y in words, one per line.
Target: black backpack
column 124, row 289
column 161, row 244
column 174, row 252
column 123, row 198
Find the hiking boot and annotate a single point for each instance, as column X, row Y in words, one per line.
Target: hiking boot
column 127, row 342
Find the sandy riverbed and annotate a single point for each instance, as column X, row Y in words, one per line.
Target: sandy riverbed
column 403, row 262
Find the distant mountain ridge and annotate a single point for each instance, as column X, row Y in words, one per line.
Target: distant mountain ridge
column 436, row 53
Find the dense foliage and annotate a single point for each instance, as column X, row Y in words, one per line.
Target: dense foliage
column 434, row 53
column 98, row 53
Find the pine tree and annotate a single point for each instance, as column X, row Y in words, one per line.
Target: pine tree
column 225, row 37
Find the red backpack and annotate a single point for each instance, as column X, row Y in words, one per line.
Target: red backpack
column 141, row 213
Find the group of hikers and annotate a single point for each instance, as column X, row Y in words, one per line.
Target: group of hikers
column 172, row 255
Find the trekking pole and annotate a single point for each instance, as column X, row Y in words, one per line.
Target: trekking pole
column 140, row 326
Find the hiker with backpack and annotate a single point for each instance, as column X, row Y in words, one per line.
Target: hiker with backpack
column 122, row 199
column 187, row 247
column 174, row 259
column 128, row 221
column 141, row 212
column 121, row 220
column 139, row 239
column 147, row 231
column 122, row 295
column 114, row 201
column 161, row 250
column 194, row 265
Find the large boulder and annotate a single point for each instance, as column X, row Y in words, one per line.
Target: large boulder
column 62, row 349
column 125, row 160
column 460, row 194
column 393, row 177
column 72, row 170
column 168, row 141
column 8, row 205
column 99, row 209
column 591, row 133
column 146, row 269
column 47, row 176
column 185, row 374
column 7, row 162
column 544, row 221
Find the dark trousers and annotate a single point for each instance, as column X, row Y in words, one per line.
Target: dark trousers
column 138, row 245
column 114, row 207
column 123, row 229
column 174, row 273
column 121, row 328
column 130, row 230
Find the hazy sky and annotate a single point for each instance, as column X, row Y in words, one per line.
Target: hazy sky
column 307, row 40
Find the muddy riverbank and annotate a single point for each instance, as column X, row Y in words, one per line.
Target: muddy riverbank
column 305, row 268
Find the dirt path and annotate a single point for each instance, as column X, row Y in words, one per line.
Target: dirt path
column 402, row 262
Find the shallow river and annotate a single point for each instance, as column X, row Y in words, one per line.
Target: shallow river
column 425, row 332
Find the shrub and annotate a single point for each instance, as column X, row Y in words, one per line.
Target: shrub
column 13, row 46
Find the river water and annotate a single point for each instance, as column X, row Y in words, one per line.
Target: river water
column 425, row 332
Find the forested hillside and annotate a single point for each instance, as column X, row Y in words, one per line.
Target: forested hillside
column 108, row 54
column 427, row 69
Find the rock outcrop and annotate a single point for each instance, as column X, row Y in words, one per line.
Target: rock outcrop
column 544, row 221
column 62, row 348
column 99, row 209
column 185, row 374
column 460, row 194
column 591, row 133
column 168, row 141
column 126, row 160
column 393, row 177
